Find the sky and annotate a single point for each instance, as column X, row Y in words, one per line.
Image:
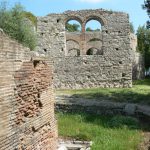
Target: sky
column 138, row 16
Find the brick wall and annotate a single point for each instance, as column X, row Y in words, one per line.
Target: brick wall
column 26, row 99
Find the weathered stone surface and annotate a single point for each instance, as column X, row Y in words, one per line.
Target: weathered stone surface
column 138, row 71
column 74, row 145
column 111, row 62
column 130, row 109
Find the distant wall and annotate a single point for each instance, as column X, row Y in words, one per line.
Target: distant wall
column 109, row 64
column 138, row 71
column 26, row 99
column 91, row 71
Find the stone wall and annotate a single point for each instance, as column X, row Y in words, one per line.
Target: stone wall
column 110, row 61
column 26, row 99
column 91, row 71
column 138, row 71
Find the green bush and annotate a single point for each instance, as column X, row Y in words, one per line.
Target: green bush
column 13, row 23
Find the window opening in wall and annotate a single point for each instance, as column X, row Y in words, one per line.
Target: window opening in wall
column 120, row 62
column 58, row 20
column 123, row 74
column 45, row 50
column 74, row 52
column 93, row 25
column 92, row 51
column 73, row 26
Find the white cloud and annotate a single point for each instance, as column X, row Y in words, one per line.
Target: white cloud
column 92, row 1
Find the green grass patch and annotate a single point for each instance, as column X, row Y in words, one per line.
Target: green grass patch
column 139, row 93
column 106, row 133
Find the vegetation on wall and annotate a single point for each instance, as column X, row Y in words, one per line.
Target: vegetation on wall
column 13, row 23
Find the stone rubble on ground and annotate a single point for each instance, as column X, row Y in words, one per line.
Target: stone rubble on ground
column 69, row 103
column 74, row 145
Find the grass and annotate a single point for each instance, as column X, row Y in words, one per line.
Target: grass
column 139, row 93
column 106, row 133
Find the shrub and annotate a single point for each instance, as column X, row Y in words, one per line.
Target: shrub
column 15, row 25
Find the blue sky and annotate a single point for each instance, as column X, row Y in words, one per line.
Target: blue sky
column 44, row 7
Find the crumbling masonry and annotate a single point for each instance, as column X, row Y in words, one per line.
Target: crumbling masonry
column 27, row 119
column 109, row 64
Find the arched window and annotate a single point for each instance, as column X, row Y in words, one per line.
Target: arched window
column 72, row 44
column 73, row 26
column 93, row 25
column 94, row 51
column 74, row 52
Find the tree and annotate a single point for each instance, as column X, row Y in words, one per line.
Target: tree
column 88, row 29
column 143, row 35
column 72, row 27
column 13, row 23
column 147, row 7
column 132, row 28
column 97, row 29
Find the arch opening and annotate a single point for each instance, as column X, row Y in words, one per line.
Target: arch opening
column 94, row 51
column 73, row 25
column 74, row 52
column 93, row 25
column 72, row 45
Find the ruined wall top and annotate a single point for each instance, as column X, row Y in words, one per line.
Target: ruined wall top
column 53, row 35
column 83, row 16
column 89, row 10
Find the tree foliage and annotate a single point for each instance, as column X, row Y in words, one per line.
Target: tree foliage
column 89, row 29
column 147, row 7
column 143, row 35
column 13, row 23
column 72, row 27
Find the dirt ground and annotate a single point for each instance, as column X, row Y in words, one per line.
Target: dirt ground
column 145, row 145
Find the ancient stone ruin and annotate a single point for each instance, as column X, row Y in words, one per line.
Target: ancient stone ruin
column 81, row 60
column 138, row 71
column 27, row 119
column 88, row 59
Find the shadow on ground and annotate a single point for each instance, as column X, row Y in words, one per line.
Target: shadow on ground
column 117, row 96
